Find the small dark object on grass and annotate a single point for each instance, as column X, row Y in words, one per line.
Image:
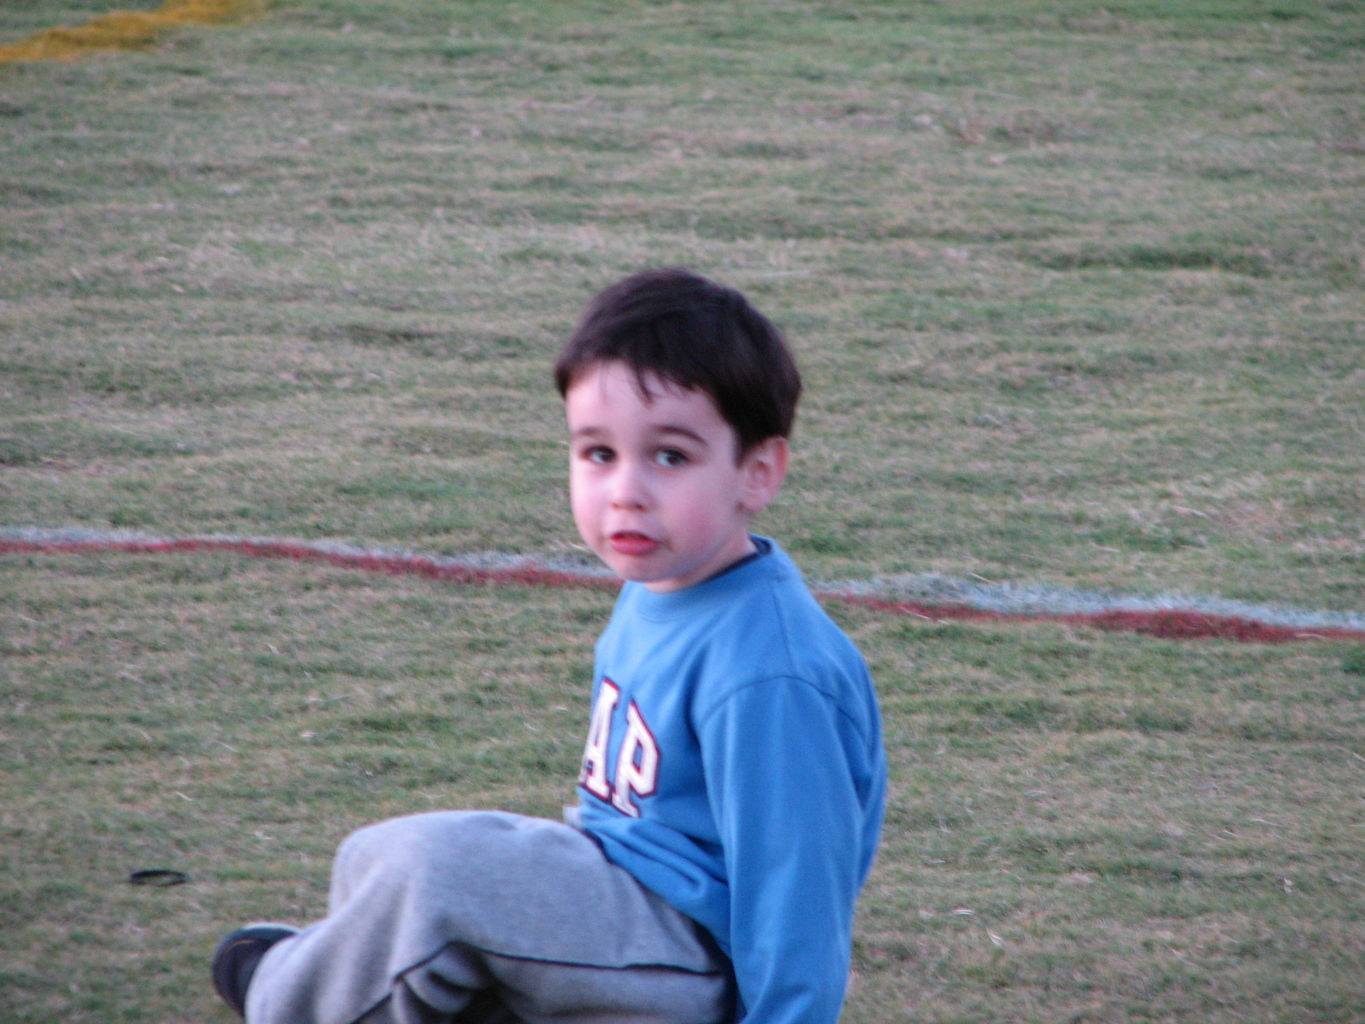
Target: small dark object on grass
column 158, row 876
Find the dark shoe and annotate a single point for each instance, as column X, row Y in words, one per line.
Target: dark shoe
column 237, row 956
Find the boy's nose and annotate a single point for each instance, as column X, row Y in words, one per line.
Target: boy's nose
column 628, row 487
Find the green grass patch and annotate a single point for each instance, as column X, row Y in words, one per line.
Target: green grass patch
column 1113, row 825
column 1077, row 294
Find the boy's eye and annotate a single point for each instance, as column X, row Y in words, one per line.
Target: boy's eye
column 598, row 454
column 671, row 457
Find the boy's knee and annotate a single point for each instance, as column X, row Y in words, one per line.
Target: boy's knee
column 438, row 841
column 408, row 846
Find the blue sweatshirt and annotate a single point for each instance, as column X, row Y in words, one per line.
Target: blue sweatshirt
column 734, row 766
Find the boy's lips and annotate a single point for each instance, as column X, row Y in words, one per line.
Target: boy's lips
column 627, row 542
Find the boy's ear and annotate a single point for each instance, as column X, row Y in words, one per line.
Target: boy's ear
column 765, row 467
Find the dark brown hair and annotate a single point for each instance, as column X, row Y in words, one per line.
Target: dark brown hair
column 695, row 334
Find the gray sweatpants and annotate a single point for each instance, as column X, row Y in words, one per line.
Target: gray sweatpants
column 489, row 917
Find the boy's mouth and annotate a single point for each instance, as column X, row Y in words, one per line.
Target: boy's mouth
column 627, row 542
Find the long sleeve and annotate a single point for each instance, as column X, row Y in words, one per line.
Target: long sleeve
column 788, row 776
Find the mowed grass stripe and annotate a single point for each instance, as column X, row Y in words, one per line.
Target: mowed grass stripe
column 1078, row 296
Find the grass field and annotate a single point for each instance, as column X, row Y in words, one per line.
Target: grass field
column 1078, row 296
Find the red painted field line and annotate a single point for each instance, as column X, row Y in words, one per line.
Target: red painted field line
column 391, row 565
column 1168, row 624
column 1172, row 624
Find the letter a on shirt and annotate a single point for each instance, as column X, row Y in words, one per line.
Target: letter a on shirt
column 594, row 775
column 637, row 759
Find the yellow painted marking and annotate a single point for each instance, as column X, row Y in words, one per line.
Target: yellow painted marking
column 124, row 30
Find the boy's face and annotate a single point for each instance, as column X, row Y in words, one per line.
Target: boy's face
column 655, row 488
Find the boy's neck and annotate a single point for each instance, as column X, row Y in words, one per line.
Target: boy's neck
column 758, row 547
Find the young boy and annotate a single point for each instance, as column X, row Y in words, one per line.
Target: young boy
column 732, row 783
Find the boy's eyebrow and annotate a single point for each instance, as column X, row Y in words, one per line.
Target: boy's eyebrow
column 687, row 432
column 662, row 430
